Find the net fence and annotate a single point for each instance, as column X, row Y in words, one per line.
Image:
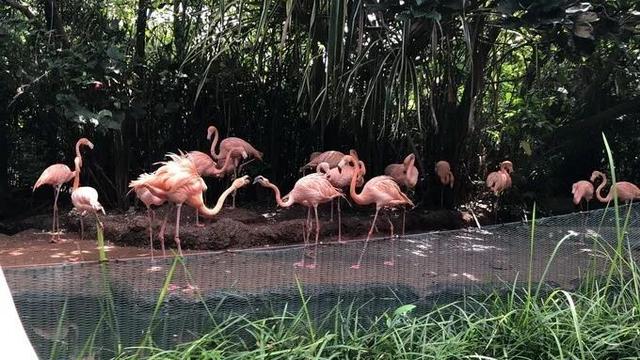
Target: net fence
column 66, row 308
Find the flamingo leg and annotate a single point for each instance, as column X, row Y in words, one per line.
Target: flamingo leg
column 331, row 205
column 366, row 242
column 162, row 228
column 404, row 217
column 442, row 196
column 198, row 224
column 176, row 237
column 150, row 216
column 98, row 222
column 393, row 244
column 55, row 236
column 495, row 208
column 315, row 248
column 306, row 225
column 81, row 227
column 244, row 164
column 340, row 224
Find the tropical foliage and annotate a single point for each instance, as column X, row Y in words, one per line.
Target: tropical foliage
column 472, row 82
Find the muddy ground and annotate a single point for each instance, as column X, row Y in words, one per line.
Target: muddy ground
column 127, row 234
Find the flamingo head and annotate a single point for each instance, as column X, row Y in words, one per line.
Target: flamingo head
column 85, row 141
column 210, row 130
column 596, row 174
column 98, row 208
column 347, row 160
column 507, row 166
column 411, row 174
column 261, row 180
column 240, row 182
column 410, row 170
column 324, row 168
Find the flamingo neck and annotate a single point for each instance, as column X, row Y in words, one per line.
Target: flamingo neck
column 281, row 203
column 76, row 171
column 599, row 190
column 214, row 143
column 357, row 198
column 207, row 212
column 228, row 164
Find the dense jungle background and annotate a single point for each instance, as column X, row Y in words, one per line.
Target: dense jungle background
column 471, row 82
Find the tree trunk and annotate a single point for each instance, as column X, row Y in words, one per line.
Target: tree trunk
column 54, row 21
column 140, row 36
column 179, row 29
column 4, row 146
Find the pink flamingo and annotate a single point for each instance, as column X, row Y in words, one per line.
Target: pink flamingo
column 582, row 190
column 57, row 175
column 405, row 174
column 84, row 198
column 206, row 166
column 499, row 181
column 310, row 191
column 148, row 199
column 340, row 178
column 177, row 181
column 331, row 157
column 624, row 190
column 380, row 190
column 226, row 146
column 332, row 164
column 443, row 170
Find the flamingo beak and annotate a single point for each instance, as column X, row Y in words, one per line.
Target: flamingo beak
column 257, row 180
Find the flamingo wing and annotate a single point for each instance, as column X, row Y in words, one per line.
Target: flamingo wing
column 203, row 162
column 331, row 157
column 55, row 175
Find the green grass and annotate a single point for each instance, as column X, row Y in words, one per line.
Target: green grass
column 599, row 320
column 560, row 325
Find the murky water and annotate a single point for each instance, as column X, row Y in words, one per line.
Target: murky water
column 82, row 310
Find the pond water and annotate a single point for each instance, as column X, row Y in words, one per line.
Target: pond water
column 75, row 310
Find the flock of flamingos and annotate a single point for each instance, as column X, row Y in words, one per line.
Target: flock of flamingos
column 180, row 181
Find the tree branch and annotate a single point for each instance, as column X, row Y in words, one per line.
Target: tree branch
column 24, row 9
column 597, row 122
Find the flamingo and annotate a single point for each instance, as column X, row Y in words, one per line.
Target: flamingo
column 624, row 190
column 206, row 166
column 226, row 146
column 177, row 181
column 340, row 178
column 405, row 174
column 582, row 190
column 310, row 191
column 443, row 170
column 380, row 190
column 57, row 175
column 332, row 164
column 84, row 198
column 499, row 181
column 331, row 157
column 148, row 199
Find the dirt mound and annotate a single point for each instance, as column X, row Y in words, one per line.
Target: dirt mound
column 240, row 227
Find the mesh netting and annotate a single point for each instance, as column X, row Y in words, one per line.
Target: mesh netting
column 104, row 305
